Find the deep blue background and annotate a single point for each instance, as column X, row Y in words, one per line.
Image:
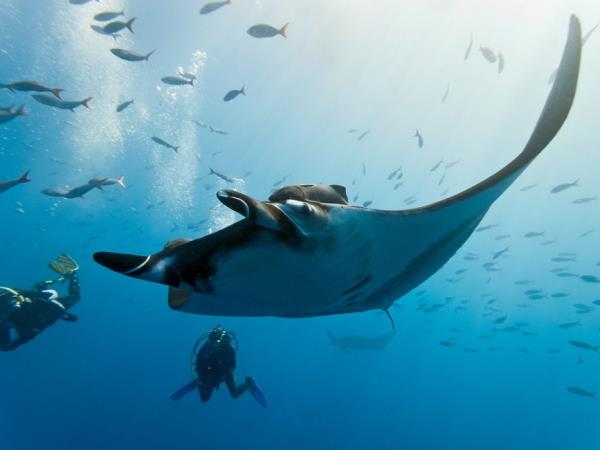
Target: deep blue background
column 104, row 382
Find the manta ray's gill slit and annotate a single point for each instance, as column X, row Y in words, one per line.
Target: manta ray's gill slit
column 364, row 281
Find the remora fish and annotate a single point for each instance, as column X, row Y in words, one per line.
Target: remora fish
column 349, row 343
column 267, row 31
column 47, row 100
column 128, row 55
column 31, row 86
column 303, row 249
column 233, row 94
column 6, row 185
column 164, row 143
column 177, row 81
column 213, row 6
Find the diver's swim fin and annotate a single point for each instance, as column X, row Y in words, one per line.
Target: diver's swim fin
column 184, row 390
column 64, row 265
column 257, row 393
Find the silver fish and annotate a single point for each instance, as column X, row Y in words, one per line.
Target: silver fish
column 500, row 63
column 128, row 55
column 8, row 115
column 177, row 81
column 31, row 86
column 581, row 392
column 117, row 25
column 164, row 143
column 234, row 93
column 468, row 51
column 564, row 187
column 225, row 177
column 488, row 54
column 61, row 104
column 124, row 105
column 419, row 139
column 99, row 182
column 6, row 185
column 213, row 6
column 267, row 31
column 108, row 15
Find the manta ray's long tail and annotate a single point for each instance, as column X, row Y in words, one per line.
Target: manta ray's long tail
column 555, row 112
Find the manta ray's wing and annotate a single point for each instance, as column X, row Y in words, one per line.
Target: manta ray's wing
column 554, row 114
column 413, row 244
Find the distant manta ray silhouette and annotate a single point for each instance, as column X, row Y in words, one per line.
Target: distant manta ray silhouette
column 306, row 252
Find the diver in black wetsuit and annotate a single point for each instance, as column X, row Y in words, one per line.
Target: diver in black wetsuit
column 215, row 364
column 26, row 313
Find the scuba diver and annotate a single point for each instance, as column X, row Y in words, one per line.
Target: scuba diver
column 26, row 313
column 213, row 363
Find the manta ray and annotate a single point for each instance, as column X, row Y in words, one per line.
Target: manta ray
column 307, row 252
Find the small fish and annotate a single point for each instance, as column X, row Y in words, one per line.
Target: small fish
column 76, row 192
column 583, row 200
column 108, row 15
column 445, row 96
column 523, row 282
column 100, row 30
column 47, row 100
column 550, row 242
column 497, row 255
column 419, row 138
column 267, row 31
column 590, row 278
column 177, row 81
column 564, row 187
column 536, row 297
column 486, row 227
column 128, row 55
column 501, row 237
column 233, row 94
column 397, row 185
column 362, row 135
column 223, row 176
column 218, row 131
column 364, row 169
column 532, row 291
column 99, row 182
column 447, row 343
column 488, row 54
column 567, row 275
column 117, row 25
column 213, row 6
column 586, row 233
column 442, row 179
column 533, row 234
column 500, row 320
column 164, row 143
column 559, row 295
column 563, row 259
column 435, row 167
column 470, row 46
column 124, row 105
column 394, row 173
column 451, row 164
column 581, row 392
column 367, row 204
column 186, row 75
column 31, row 86
column 569, row 325
column 500, row 63
column 6, row 185
column 7, row 116
column 584, row 345
column 528, row 187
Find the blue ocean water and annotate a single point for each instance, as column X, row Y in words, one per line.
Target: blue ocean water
column 104, row 382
